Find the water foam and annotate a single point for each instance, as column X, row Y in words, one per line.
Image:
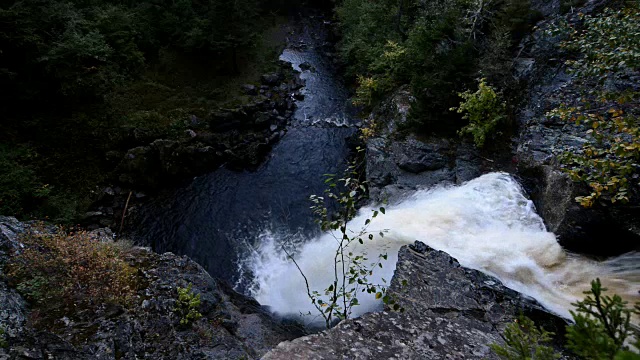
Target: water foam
column 487, row 224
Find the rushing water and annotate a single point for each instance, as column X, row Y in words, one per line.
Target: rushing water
column 487, row 224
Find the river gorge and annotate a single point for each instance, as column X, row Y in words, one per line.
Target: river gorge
column 236, row 223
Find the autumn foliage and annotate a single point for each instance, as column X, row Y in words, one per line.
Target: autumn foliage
column 61, row 273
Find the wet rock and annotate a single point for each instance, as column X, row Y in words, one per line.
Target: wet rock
column 249, row 89
column 90, row 214
column 305, row 66
column 272, row 79
column 164, row 162
column 396, row 166
column 263, row 119
column 225, row 120
column 416, row 156
column 450, row 312
column 523, row 67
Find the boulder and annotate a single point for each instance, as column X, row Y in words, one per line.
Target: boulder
column 305, row 66
column 272, row 79
column 450, row 312
column 249, row 89
column 397, row 166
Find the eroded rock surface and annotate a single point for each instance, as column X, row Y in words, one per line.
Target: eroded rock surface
column 450, row 312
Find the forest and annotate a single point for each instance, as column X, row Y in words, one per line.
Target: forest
column 81, row 77
column 78, row 75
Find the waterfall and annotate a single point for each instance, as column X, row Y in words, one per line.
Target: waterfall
column 487, row 224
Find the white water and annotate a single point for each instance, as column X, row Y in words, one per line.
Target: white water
column 487, row 224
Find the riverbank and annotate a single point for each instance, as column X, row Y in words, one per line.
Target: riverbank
column 218, row 217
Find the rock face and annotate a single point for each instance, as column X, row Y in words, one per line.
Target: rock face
column 13, row 309
column 233, row 326
column 543, row 138
column 396, row 166
column 449, row 313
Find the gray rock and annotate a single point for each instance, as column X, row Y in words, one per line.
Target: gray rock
column 396, row 167
column 523, row 67
column 305, row 66
column 449, row 313
column 233, row 326
column 272, row 79
column 249, row 89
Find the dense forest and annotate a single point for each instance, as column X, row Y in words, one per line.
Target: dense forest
column 458, row 57
column 438, row 47
column 78, row 76
column 83, row 79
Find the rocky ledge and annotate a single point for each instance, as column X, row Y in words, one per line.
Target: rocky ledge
column 397, row 165
column 239, row 137
column 450, row 312
column 232, row 326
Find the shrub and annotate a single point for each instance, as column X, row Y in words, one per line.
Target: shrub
column 187, row 306
column 352, row 268
column 61, row 273
column 20, row 187
column 437, row 47
column 600, row 331
column 602, row 325
column 485, row 111
column 605, row 50
column 524, row 340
